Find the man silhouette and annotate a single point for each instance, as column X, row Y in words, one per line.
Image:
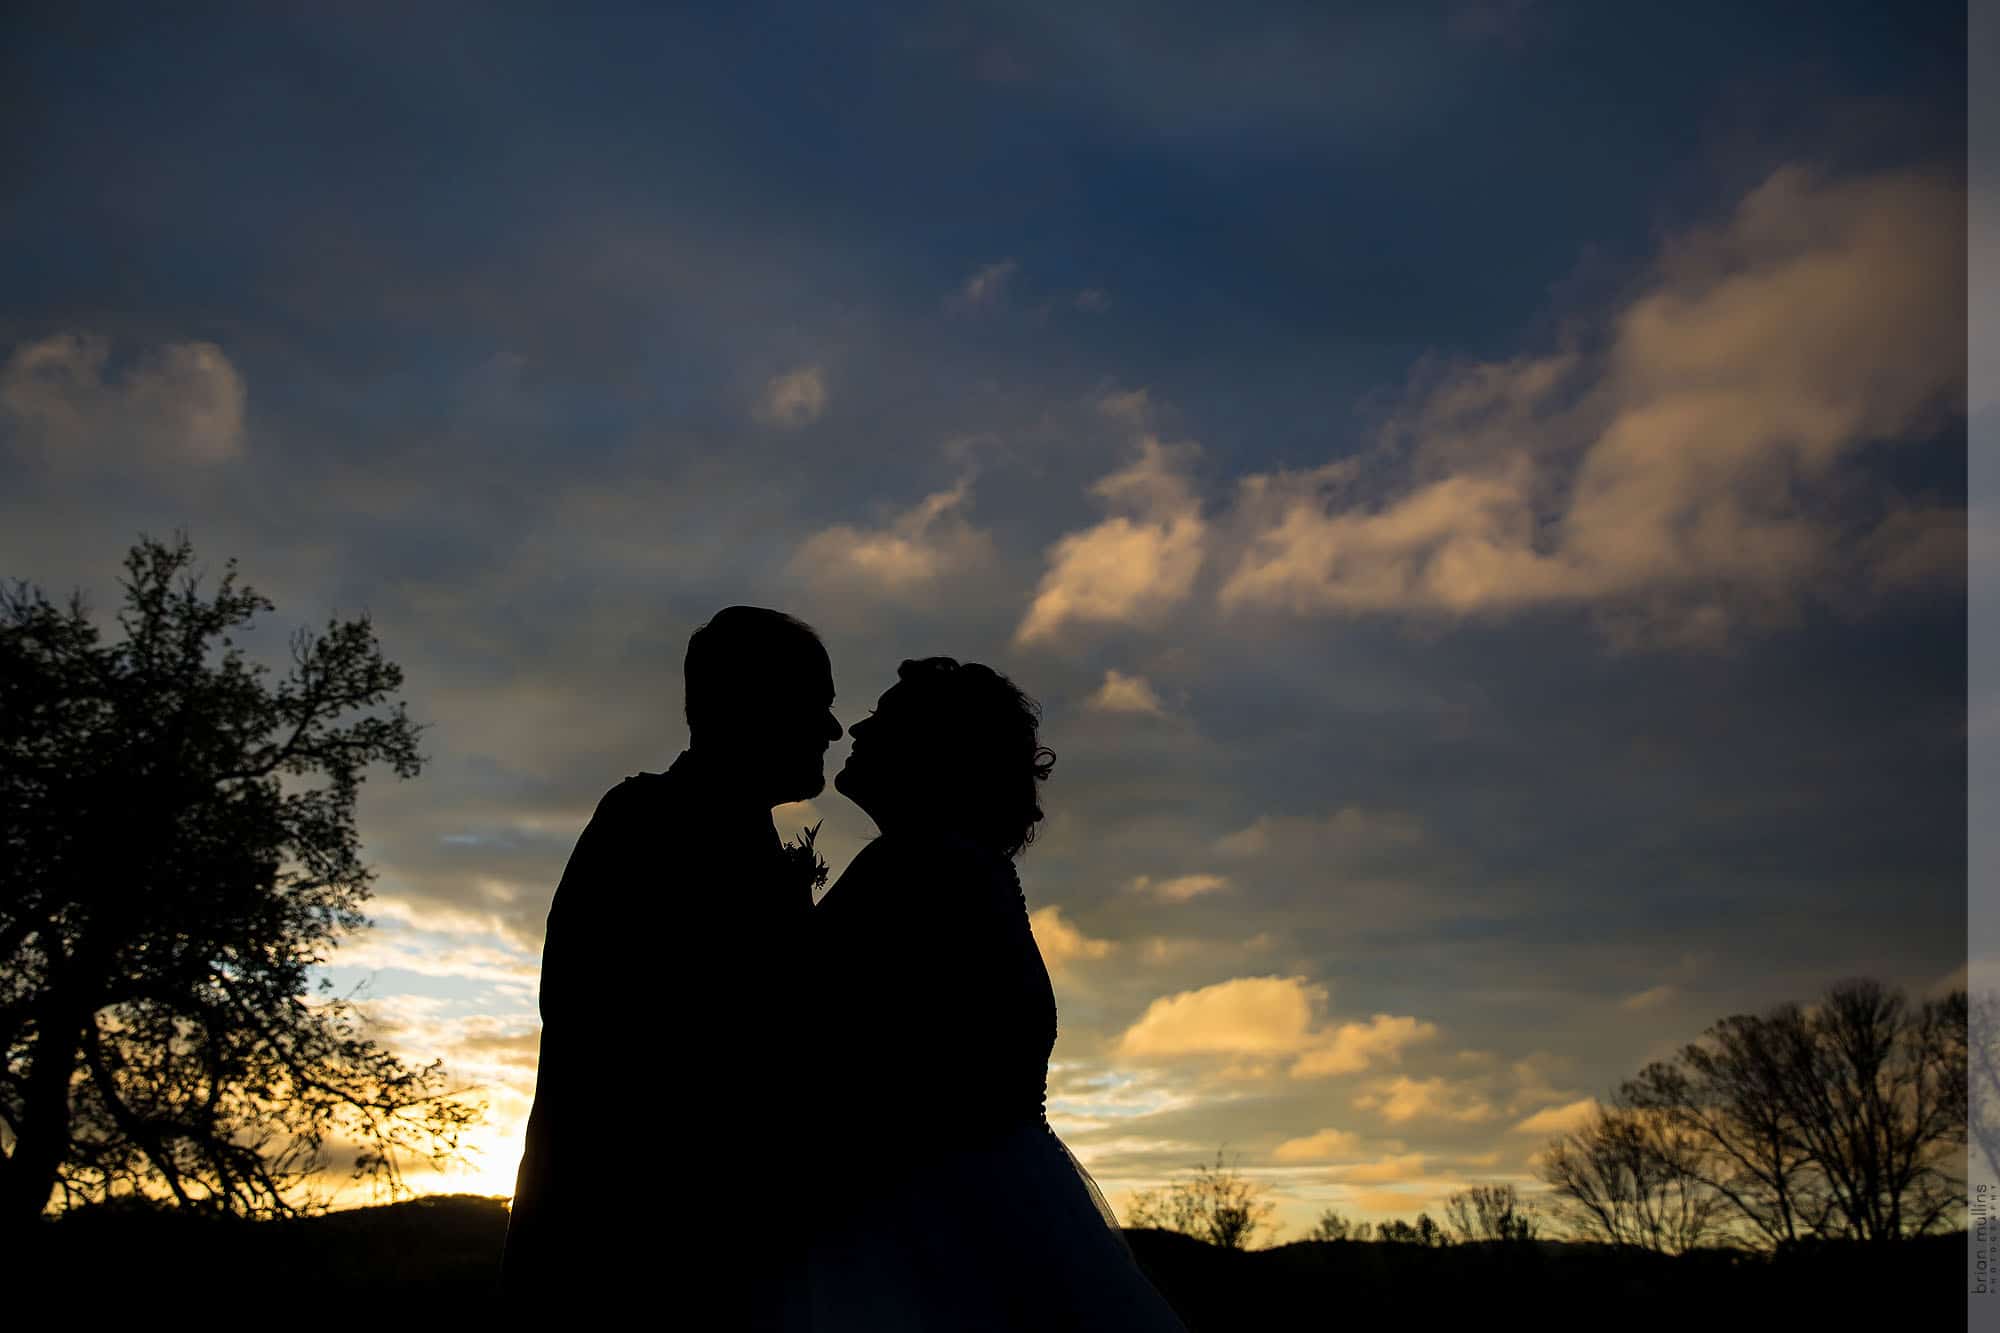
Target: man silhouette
column 658, row 1140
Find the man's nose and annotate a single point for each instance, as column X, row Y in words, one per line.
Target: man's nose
column 834, row 731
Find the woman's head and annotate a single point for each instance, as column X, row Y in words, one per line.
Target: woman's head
column 951, row 744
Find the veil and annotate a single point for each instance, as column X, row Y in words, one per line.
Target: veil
column 1097, row 1199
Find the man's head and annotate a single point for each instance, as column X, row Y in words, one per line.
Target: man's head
column 760, row 701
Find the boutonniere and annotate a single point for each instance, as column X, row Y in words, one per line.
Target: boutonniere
column 804, row 864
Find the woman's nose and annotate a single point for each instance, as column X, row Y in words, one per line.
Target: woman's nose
column 834, row 732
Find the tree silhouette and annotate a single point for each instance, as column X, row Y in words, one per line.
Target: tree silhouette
column 1627, row 1178
column 1878, row 1091
column 1983, row 1106
column 1423, row 1232
column 1333, row 1226
column 1845, row 1119
column 1489, row 1212
column 162, row 897
column 1217, row 1204
column 1727, row 1094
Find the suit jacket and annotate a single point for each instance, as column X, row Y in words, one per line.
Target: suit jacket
column 658, row 1145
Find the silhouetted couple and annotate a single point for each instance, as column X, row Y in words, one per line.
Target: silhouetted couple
column 756, row 1113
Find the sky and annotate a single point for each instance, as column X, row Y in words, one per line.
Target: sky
column 1479, row 491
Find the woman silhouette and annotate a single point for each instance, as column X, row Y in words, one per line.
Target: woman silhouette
column 942, row 1199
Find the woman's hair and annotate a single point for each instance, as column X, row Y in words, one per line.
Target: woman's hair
column 988, row 725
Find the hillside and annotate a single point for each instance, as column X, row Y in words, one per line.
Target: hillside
column 441, row 1251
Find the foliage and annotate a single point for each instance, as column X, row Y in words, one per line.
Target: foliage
column 1217, row 1204
column 803, row 861
column 163, row 895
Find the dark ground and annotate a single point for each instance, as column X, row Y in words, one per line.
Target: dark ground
column 439, row 1254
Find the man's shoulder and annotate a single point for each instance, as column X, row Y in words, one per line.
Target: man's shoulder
column 641, row 788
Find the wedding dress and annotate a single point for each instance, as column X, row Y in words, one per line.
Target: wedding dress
column 929, row 1001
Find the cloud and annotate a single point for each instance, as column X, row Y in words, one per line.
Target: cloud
column 985, row 288
column 915, row 549
column 1348, row 829
column 1134, row 566
column 1389, row 1201
column 1388, row 1171
column 1062, row 943
column 1165, row 950
column 1268, row 1016
column 1246, row 1015
column 180, row 403
column 433, row 957
column 794, row 399
column 1121, row 693
column 1651, row 998
column 1318, row 1146
column 1093, row 299
column 1353, row 1047
column 1559, row 1119
column 1403, row 1099
column 1685, row 480
column 1180, row 888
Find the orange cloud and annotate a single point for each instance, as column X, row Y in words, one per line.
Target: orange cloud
column 1181, row 887
column 1121, row 693
column 1134, row 565
column 1388, row 1171
column 1314, row 1147
column 1692, row 467
column 914, row 550
column 1268, row 1016
column 1403, row 1099
column 1559, row 1119
column 1062, row 943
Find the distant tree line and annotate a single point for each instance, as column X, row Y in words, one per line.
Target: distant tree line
column 1482, row 1213
column 1219, row 1204
column 1847, row 1119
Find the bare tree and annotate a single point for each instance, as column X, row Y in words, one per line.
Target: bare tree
column 1626, row 1178
column 1727, row 1095
column 162, row 898
column 1877, row 1090
column 1983, row 1092
column 1217, row 1204
column 1845, row 1119
column 1489, row 1212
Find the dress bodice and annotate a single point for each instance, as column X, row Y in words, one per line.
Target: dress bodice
column 925, row 973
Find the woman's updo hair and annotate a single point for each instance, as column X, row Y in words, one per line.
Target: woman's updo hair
column 986, row 733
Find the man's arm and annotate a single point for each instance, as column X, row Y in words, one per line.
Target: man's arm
column 550, row 1167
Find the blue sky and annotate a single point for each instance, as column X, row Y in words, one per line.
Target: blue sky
column 1479, row 490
